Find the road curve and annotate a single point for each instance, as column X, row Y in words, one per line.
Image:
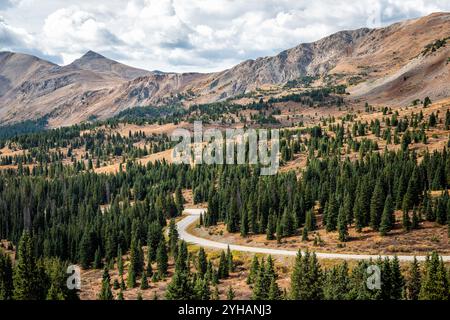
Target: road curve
column 193, row 215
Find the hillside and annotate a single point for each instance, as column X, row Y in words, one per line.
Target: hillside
column 382, row 66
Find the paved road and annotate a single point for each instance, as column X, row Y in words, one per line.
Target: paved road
column 193, row 214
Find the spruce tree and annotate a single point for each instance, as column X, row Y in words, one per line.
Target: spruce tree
column 254, row 268
column 106, row 293
column 6, row 276
column 173, row 238
column 202, row 263
column 223, row 266
column 414, row 281
column 376, row 206
column 230, row 293
column 25, row 281
column 435, row 284
column 144, row 281
column 162, row 259
column 387, row 216
column 342, row 225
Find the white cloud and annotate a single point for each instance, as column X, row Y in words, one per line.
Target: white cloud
column 195, row 35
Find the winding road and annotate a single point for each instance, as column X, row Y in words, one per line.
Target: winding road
column 192, row 215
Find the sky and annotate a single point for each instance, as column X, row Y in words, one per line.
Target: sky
column 188, row 35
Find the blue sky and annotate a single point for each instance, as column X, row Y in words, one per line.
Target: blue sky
column 187, row 35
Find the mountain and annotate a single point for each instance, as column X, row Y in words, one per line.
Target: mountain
column 92, row 61
column 389, row 66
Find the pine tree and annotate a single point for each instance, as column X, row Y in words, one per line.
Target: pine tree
column 279, row 232
column 119, row 261
column 261, row 285
column 106, row 293
column 406, row 222
column 342, row 225
column 415, row 220
column 271, row 226
column 202, row 263
column 230, row 262
column 97, row 259
column 332, row 214
column 387, row 217
column 120, row 295
column 215, row 294
column 414, row 281
column 254, row 268
column 376, row 206
column 435, row 284
column 139, row 296
column 162, row 259
column 131, row 278
column 310, row 222
column 397, row 280
column 230, row 293
column 305, row 234
column 173, row 238
column 306, row 278
column 144, row 281
column 6, row 276
column 336, row 283
column 244, row 223
column 223, row 266
column 25, row 281
column 180, row 288
column 201, row 289
column 274, row 290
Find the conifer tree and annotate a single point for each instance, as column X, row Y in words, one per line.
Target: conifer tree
column 305, row 234
column 435, row 284
column 230, row 293
column 6, row 276
column 244, row 223
column 223, row 266
column 144, row 281
column 119, row 261
column 162, row 259
column 274, row 290
column 387, row 217
column 414, row 281
column 332, row 214
column 376, row 206
column 342, row 225
column 173, row 238
column 25, row 281
column 271, row 226
column 106, row 293
column 310, row 222
column 202, row 263
column 230, row 262
column 406, row 221
column 254, row 268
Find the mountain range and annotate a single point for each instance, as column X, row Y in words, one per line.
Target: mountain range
column 393, row 65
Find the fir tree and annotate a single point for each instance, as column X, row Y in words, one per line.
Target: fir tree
column 202, row 263
column 25, row 277
column 230, row 293
column 414, row 281
column 6, row 276
column 173, row 238
column 162, row 259
column 387, row 216
column 106, row 293
column 342, row 225
column 254, row 268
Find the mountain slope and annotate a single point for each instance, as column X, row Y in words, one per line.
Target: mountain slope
column 384, row 65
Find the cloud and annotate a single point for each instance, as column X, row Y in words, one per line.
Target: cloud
column 199, row 35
